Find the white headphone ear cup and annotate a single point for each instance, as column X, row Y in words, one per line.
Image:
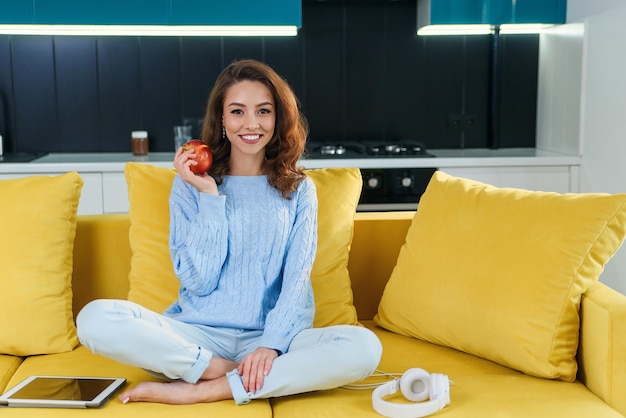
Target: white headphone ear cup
column 440, row 385
column 415, row 385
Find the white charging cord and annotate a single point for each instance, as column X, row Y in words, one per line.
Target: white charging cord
column 377, row 374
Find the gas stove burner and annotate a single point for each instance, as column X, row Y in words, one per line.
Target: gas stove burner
column 397, row 149
column 366, row 149
column 332, row 149
column 335, row 150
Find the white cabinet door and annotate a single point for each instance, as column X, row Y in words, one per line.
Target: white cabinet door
column 90, row 197
column 543, row 178
column 115, row 192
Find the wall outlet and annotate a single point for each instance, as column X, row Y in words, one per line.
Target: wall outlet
column 461, row 121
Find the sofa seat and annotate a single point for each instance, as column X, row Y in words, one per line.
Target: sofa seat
column 480, row 388
column 8, row 366
column 82, row 362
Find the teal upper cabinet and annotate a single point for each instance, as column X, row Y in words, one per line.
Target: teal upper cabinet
column 477, row 17
column 17, row 11
column 240, row 12
column 94, row 12
column 152, row 12
column 495, row 12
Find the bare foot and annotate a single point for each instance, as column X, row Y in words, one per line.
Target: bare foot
column 179, row 392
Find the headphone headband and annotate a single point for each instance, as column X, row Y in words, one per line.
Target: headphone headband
column 435, row 387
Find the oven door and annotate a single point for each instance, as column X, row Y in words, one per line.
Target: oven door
column 393, row 189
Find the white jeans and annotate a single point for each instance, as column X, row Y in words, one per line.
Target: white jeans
column 318, row 358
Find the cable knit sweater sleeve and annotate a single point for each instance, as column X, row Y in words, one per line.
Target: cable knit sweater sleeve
column 198, row 237
column 295, row 308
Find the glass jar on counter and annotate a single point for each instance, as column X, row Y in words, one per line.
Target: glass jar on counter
column 139, row 142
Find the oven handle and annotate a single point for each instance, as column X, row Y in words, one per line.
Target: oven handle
column 385, row 207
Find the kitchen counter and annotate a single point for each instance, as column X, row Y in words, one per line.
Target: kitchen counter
column 114, row 162
column 105, row 189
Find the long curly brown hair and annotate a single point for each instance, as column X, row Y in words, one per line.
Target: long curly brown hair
column 291, row 129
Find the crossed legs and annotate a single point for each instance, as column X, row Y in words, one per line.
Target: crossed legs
column 197, row 358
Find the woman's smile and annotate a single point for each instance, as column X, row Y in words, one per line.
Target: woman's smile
column 251, row 138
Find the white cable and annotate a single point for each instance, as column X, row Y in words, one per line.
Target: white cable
column 375, row 374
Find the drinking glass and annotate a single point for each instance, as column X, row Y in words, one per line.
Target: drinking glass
column 182, row 134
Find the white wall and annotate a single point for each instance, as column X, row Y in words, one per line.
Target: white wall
column 577, row 10
column 603, row 122
column 581, row 105
column 559, row 89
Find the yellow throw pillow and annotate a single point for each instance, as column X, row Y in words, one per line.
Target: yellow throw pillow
column 338, row 192
column 152, row 280
column 499, row 272
column 38, row 224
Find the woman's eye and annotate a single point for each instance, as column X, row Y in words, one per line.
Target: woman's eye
column 265, row 111
column 236, row 112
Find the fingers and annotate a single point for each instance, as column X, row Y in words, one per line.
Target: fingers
column 255, row 367
column 252, row 375
column 183, row 160
column 203, row 182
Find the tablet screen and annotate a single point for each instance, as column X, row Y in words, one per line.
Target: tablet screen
column 62, row 391
column 63, row 388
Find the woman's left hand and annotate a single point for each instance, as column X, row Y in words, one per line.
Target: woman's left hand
column 255, row 367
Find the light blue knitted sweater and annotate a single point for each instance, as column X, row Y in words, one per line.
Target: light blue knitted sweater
column 244, row 257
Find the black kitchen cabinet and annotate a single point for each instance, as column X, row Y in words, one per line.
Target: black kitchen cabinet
column 357, row 66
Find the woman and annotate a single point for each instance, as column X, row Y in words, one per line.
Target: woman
column 242, row 241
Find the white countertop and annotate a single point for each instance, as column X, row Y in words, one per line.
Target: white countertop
column 114, row 162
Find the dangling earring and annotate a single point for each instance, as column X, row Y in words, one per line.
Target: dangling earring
column 223, row 132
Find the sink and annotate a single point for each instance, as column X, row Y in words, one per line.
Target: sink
column 20, row 157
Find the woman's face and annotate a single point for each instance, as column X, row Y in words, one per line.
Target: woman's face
column 249, row 118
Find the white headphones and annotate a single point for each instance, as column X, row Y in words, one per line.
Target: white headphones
column 416, row 385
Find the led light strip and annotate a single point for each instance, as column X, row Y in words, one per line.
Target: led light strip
column 505, row 29
column 455, row 30
column 520, row 28
column 147, row 30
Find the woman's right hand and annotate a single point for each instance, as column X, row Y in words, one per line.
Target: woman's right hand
column 203, row 182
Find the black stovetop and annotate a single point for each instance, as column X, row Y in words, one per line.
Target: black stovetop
column 20, row 157
column 366, row 149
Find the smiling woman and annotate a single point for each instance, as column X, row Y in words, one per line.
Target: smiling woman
column 242, row 241
column 273, row 99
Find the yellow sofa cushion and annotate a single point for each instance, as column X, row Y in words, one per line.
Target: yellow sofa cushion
column 82, row 362
column 499, row 273
column 480, row 388
column 152, row 280
column 338, row 192
column 38, row 224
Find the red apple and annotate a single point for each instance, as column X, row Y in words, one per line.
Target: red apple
column 204, row 156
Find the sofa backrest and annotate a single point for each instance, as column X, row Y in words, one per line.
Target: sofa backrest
column 102, row 257
column 376, row 244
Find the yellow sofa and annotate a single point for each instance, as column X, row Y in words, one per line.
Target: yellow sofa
column 481, row 388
